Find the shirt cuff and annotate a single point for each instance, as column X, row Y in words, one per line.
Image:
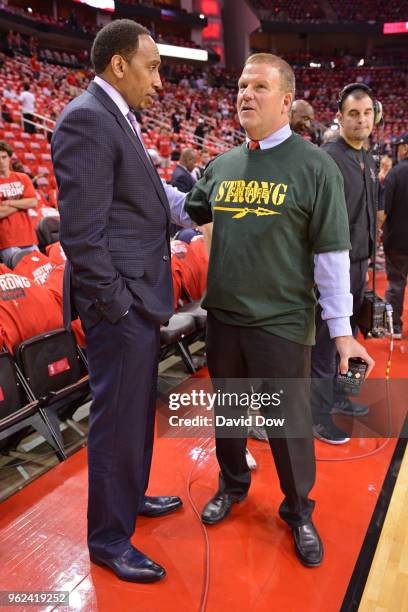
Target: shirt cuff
column 340, row 326
column 177, row 201
column 336, row 306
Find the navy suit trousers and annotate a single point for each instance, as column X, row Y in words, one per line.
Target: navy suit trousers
column 123, row 361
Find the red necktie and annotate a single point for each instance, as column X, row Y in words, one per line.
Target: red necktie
column 253, row 144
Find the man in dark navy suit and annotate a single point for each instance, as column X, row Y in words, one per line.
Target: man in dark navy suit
column 115, row 219
column 182, row 177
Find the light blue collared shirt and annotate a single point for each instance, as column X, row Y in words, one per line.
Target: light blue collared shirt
column 175, row 197
column 331, row 270
column 276, row 138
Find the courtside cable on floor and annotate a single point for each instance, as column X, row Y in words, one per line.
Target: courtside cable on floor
column 206, row 581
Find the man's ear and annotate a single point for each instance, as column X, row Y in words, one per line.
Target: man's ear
column 117, row 66
column 339, row 117
column 287, row 103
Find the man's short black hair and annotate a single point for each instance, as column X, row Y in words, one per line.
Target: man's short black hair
column 4, row 146
column 120, row 37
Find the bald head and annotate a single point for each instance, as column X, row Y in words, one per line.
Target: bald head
column 188, row 158
column 301, row 116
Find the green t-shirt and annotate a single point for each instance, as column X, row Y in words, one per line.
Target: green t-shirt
column 273, row 209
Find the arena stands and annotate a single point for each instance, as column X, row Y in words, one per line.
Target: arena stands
column 72, row 23
column 292, row 10
column 341, row 10
column 369, row 10
column 174, row 4
column 75, row 25
column 196, row 95
column 321, row 85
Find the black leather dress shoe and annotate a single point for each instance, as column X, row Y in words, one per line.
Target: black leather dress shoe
column 133, row 566
column 218, row 508
column 308, row 545
column 159, row 506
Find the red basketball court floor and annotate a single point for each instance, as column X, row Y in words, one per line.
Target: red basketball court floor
column 247, row 562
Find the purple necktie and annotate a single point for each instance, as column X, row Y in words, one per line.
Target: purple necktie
column 136, row 129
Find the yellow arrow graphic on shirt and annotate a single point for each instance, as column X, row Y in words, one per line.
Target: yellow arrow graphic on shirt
column 241, row 212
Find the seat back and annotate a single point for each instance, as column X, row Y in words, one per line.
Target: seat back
column 16, row 258
column 48, row 230
column 50, row 362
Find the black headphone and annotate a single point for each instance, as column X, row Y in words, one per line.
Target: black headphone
column 348, row 89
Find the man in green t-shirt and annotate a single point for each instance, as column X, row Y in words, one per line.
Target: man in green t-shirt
column 279, row 227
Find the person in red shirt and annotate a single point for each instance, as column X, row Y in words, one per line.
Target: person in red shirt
column 194, row 268
column 35, row 66
column 26, row 309
column 17, row 196
column 178, row 252
column 163, row 143
column 43, row 271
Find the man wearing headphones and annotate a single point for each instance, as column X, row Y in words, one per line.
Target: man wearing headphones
column 358, row 112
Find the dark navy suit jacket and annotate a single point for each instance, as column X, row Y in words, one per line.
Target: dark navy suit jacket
column 182, row 179
column 115, row 215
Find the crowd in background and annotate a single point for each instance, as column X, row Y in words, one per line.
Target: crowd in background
column 332, row 11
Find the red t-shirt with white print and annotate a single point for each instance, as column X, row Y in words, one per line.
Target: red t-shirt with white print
column 44, row 271
column 36, row 266
column 16, row 230
column 26, row 309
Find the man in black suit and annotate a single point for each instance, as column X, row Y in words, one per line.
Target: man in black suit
column 182, row 177
column 115, row 219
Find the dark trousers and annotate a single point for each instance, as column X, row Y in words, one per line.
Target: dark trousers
column 324, row 353
column 245, row 353
column 28, row 127
column 123, row 360
column 396, row 265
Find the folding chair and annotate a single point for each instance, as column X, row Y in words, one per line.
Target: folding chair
column 173, row 338
column 16, row 258
column 198, row 313
column 20, row 411
column 55, row 370
column 48, row 231
column 193, row 308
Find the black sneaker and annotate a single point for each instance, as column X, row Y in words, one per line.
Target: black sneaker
column 397, row 333
column 349, row 408
column 330, row 434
